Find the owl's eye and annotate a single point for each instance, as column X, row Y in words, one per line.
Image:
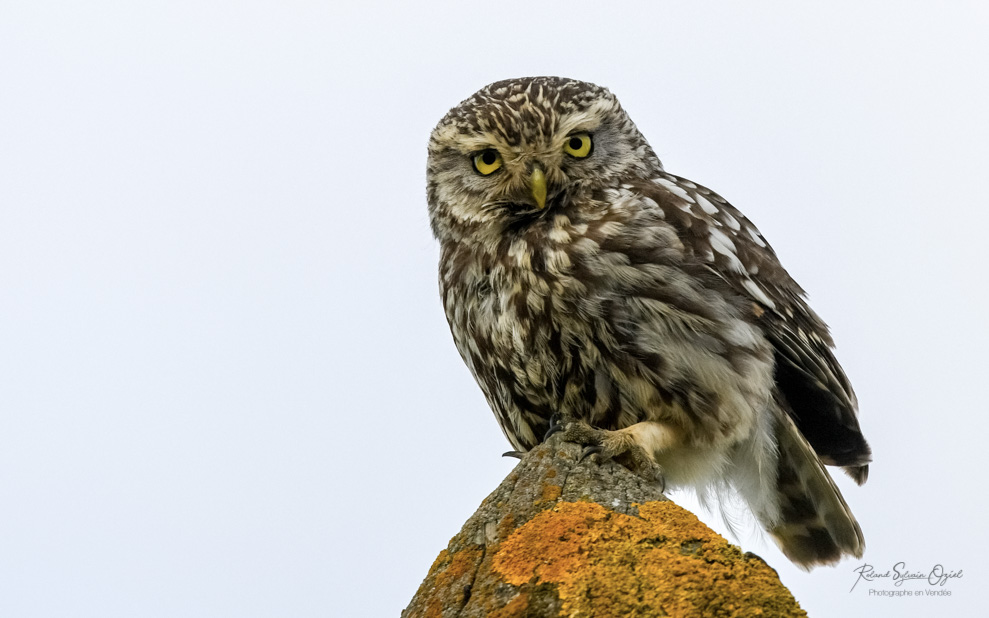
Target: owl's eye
column 487, row 161
column 578, row 145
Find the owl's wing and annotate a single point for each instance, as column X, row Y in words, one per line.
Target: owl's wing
column 820, row 397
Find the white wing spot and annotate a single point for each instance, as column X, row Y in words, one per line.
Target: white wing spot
column 723, row 245
column 755, row 236
column 757, row 292
column 675, row 189
column 731, row 221
column 706, row 205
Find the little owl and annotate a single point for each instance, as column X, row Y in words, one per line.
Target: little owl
column 588, row 289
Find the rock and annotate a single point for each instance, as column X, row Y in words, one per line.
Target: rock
column 561, row 537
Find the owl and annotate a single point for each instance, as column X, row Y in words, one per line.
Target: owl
column 590, row 291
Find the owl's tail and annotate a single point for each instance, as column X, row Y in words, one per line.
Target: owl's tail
column 815, row 525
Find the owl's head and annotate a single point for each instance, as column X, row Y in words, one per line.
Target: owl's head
column 521, row 148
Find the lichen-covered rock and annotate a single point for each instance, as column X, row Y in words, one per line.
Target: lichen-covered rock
column 562, row 538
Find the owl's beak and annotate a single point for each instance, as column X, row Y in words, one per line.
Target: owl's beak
column 537, row 186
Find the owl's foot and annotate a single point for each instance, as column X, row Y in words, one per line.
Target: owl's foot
column 622, row 446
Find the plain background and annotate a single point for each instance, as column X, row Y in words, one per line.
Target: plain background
column 227, row 387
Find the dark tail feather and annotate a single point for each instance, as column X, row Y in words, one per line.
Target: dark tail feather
column 815, row 525
column 859, row 474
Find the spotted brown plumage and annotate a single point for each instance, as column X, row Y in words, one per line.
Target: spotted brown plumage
column 581, row 279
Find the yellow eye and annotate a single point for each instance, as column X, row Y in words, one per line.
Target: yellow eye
column 487, row 161
column 578, row 145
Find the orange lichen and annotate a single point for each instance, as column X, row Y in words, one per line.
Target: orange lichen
column 448, row 578
column 434, row 609
column 441, row 560
column 515, row 607
column 506, row 525
column 664, row 562
column 462, row 562
column 550, row 493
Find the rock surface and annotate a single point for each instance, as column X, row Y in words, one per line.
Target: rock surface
column 560, row 537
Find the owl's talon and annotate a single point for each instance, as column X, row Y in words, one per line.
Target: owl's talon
column 554, row 426
column 588, row 451
column 515, row 454
column 659, row 479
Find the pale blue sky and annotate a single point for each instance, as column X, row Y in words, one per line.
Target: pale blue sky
column 227, row 387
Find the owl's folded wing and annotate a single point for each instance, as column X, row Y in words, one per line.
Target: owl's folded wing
column 819, row 396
